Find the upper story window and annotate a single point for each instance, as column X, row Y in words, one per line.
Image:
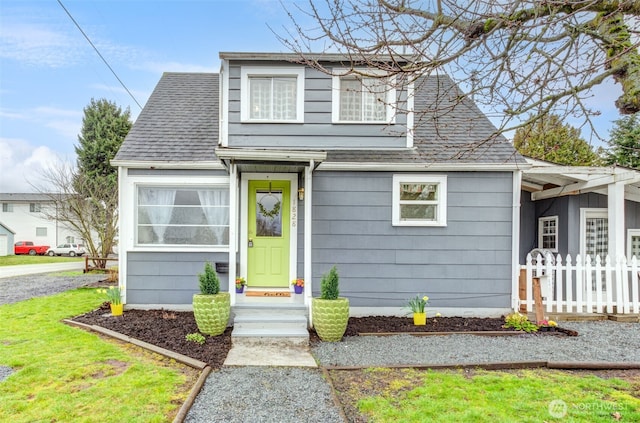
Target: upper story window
column 548, row 233
column 35, row 207
column 419, row 200
column 7, row 207
column 272, row 94
column 362, row 99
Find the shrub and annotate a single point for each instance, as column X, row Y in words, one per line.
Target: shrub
column 195, row 337
column 209, row 282
column 520, row 322
column 329, row 285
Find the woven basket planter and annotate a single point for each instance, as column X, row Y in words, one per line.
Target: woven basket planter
column 212, row 312
column 330, row 318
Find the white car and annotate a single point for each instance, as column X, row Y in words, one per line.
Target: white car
column 67, row 249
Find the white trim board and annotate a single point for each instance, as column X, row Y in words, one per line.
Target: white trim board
column 293, row 223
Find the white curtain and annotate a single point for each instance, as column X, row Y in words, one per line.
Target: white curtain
column 158, row 203
column 350, row 99
column 374, row 100
column 215, row 205
column 284, row 98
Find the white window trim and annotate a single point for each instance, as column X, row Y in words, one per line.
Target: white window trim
column 631, row 233
column 541, row 220
column 130, row 191
column 441, row 180
column 584, row 214
column 248, row 71
column 390, row 101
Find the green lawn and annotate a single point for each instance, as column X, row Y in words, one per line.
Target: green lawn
column 26, row 259
column 385, row 395
column 63, row 373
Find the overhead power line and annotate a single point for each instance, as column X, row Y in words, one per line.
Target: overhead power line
column 99, row 54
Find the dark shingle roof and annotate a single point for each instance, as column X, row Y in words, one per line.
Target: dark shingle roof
column 179, row 121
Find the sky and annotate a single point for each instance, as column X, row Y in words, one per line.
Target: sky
column 49, row 72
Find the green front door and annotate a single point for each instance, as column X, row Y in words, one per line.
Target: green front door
column 268, row 233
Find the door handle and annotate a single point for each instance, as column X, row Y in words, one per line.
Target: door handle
column 250, row 242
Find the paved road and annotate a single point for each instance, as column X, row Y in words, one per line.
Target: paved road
column 31, row 269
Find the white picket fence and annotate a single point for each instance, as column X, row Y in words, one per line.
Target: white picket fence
column 584, row 286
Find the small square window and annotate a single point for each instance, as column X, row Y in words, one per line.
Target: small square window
column 548, row 233
column 419, row 200
column 7, row 207
column 35, row 207
column 41, row 231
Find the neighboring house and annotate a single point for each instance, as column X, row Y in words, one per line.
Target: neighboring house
column 26, row 214
column 6, row 240
column 274, row 171
column 580, row 210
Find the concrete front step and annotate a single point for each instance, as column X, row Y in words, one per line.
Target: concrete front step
column 275, row 324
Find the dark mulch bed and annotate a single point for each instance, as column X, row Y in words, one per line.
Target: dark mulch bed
column 167, row 329
column 389, row 324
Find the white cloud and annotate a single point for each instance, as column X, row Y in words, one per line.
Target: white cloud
column 38, row 45
column 23, row 164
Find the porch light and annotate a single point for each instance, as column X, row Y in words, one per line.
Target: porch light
column 300, row 193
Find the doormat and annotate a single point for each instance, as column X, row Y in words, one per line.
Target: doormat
column 267, row 294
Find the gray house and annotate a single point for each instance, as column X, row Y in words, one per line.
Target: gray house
column 579, row 210
column 275, row 171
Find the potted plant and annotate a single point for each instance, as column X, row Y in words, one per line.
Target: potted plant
column 114, row 296
column 298, row 285
column 417, row 305
column 211, row 308
column 240, row 284
column 330, row 312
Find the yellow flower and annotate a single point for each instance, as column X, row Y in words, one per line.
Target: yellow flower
column 552, row 323
column 438, row 315
column 425, row 298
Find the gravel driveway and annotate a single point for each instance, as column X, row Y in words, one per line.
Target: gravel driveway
column 20, row 288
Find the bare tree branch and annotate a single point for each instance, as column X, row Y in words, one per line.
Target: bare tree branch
column 520, row 58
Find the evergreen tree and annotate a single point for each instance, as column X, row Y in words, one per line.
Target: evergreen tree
column 549, row 139
column 104, row 127
column 624, row 144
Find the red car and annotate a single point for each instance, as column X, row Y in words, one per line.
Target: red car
column 28, row 247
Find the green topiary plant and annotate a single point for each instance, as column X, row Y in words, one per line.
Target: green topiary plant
column 329, row 285
column 209, row 282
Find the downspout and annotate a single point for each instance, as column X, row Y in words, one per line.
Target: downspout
column 123, row 192
column 308, row 194
column 515, row 240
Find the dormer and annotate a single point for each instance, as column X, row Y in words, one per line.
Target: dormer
column 271, row 100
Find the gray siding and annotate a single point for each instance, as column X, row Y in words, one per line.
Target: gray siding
column 567, row 209
column 168, row 278
column 317, row 131
column 465, row 264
